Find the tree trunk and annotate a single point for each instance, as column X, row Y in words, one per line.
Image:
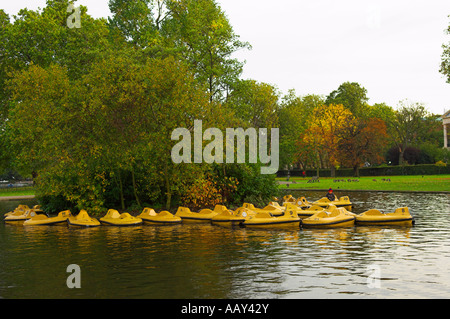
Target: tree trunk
column 168, row 191
column 400, row 156
column 333, row 171
column 122, row 200
column 135, row 188
column 356, row 171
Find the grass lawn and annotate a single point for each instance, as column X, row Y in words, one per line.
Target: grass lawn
column 22, row 191
column 428, row 183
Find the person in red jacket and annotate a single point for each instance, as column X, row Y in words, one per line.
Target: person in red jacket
column 331, row 195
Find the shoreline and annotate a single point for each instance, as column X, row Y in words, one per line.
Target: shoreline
column 18, row 197
column 360, row 190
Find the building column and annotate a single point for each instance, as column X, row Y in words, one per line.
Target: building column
column 445, row 136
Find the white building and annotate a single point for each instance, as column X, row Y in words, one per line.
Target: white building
column 446, row 123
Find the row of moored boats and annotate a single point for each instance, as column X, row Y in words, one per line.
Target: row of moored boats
column 292, row 213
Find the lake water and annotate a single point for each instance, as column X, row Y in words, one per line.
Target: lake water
column 206, row 261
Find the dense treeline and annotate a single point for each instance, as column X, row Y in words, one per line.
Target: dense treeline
column 89, row 111
column 343, row 130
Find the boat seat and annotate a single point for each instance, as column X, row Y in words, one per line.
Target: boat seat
column 220, row 209
column 164, row 213
column 82, row 215
column 249, row 206
column 65, row 213
column 149, row 211
column 112, row 213
column 184, row 210
column 125, row 215
column 263, row 215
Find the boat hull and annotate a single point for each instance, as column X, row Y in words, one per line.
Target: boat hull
column 204, row 216
column 374, row 217
column 332, row 217
column 270, row 224
column 113, row 218
column 76, row 223
column 161, row 222
column 398, row 222
column 107, row 222
column 329, row 224
column 44, row 220
column 228, row 222
column 49, row 222
column 150, row 217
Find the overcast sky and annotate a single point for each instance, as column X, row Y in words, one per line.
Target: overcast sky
column 391, row 47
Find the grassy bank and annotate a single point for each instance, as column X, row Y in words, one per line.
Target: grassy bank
column 426, row 183
column 22, row 191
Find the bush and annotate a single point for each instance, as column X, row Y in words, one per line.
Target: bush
column 203, row 193
column 252, row 186
column 441, row 164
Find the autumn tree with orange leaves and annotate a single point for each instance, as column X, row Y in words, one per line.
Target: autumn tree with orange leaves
column 322, row 134
column 335, row 137
column 361, row 141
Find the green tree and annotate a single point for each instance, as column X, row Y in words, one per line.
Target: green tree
column 43, row 38
column 294, row 116
column 5, row 24
column 203, row 33
column 406, row 125
column 116, row 121
column 445, row 58
column 352, row 96
column 196, row 31
column 254, row 103
column 139, row 21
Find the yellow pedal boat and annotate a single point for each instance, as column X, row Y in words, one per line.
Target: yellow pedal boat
column 205, row 215
column 272, row 208
column 332, row 217
column 232, row 218
column 149, row 216
column 289, row 219
column 310, row 210
column 42, row 220
column 303, row 203
column 38, row 209
column 19, row 216
column 276, row 205
column 83, row 220
column 114, row 218
column 288, row 199
column 400, row 217
column 19, row 210
column 344, row 202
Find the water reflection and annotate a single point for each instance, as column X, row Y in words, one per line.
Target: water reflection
column 208, row 261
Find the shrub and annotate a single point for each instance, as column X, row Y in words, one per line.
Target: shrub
column 441, row 164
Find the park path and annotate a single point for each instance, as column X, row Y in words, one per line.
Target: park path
column 16, row 197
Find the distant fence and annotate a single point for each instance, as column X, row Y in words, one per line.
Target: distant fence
column 13, row 185
column 423, row 169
